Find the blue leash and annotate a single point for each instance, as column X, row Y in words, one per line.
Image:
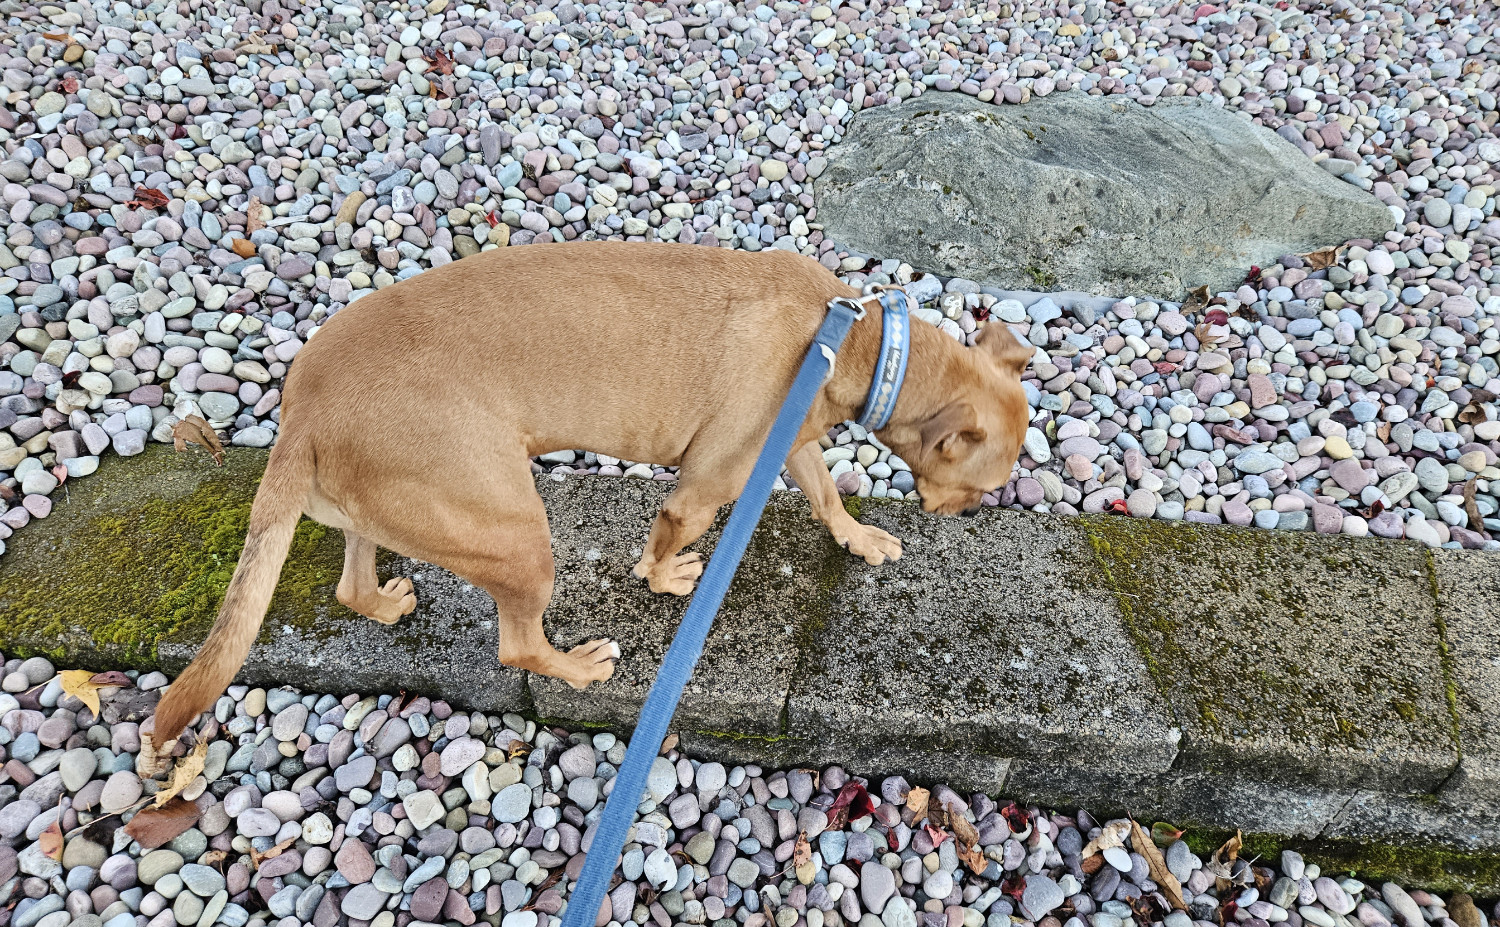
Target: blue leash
column 687, row 646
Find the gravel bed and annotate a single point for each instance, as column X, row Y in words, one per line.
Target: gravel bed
column 193, row 187
column 393, row 811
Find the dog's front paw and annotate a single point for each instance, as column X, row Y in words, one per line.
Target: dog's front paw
column 676, row 576
column 871, row 543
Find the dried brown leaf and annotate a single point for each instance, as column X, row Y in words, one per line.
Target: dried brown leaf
column 916, row 801
column 1219, row 865
column 80, row 684
column 153, row 827
column 801, row 850
column 670, row 744
column 1230, row 851
column 187, row 769
column 518, row 748
column 253, row 220
column 149, row 198
column 1160, row 874
column 256, row 857
column 195, row 430
column 439, row 61
column 972, row 857
column 1197, row 299
column 965, row 832
column 1112, row 835
column 1471, row 507
column 51, row 841
column 1323, row 258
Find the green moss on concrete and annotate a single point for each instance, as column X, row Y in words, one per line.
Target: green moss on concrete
column 1196, row 643
column 110, row 577
column 1433, row 868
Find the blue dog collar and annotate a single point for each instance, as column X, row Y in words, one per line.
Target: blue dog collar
column 890, row 369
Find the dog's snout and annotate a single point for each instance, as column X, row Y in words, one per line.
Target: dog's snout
column 971, row 512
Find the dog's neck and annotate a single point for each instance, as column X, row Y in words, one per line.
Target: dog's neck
column 932, row 359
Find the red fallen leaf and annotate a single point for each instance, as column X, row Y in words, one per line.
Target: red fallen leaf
column 1165, row 367
column 852, row 803
column 981, row 314
column 1017, row 817
column 1014, row 885
column 61, row 473
column 491, row 218
column 1217, row 317
column 1226, row 912
column 149, row 198
column 1117, row 506
column 111, row 678
column 439, row 61
column 70, row 379
column 69, row 85
column 937, row 834
column 1253, row 276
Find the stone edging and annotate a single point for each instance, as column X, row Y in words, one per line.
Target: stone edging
column 1293, row 684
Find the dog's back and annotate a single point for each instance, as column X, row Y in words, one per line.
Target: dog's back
column 569, row 338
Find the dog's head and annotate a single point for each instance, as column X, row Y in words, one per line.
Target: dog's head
column 969, row 447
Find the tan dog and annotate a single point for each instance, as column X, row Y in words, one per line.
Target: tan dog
column 410, row 419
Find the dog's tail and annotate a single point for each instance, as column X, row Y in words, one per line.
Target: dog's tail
column 273, row 519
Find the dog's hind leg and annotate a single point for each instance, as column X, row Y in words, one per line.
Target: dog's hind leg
column 359, row 588
column 806, row 466
column 487, row 524
column 683, row 518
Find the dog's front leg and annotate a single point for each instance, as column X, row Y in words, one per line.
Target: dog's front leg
column 806, row 467
column 683, row 518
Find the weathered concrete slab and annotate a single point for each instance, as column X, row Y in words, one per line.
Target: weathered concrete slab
column 1468, row 596
column 1188, row 799
column 1296, row 659
column 975, row 772
column 1382, row 817
column 1214, row 677
column 599, row 527
column 989, row 636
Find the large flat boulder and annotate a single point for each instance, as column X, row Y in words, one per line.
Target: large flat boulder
column 1076, row 192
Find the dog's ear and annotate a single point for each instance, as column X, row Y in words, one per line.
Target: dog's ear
column 955, row 422
column 1004, row 347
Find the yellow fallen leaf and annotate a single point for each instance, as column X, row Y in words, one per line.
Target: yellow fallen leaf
column 51, row 841
column 183, row 774
column 916, row 800
column 80, row 685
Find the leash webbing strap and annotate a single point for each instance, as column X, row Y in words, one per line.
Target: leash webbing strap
column 687, row 646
